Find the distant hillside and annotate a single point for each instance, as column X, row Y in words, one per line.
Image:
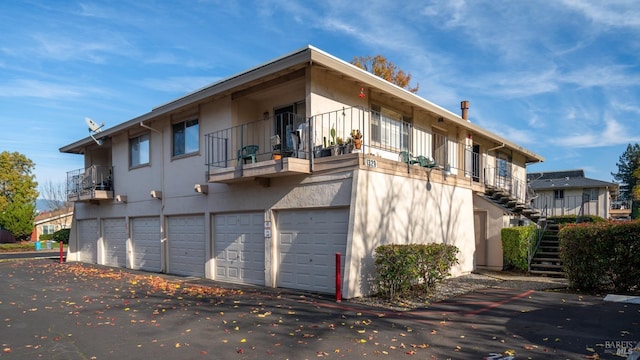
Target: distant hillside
column 42, row 205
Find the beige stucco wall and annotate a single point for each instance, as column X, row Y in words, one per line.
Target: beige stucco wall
column 398, row 210
column 496, row 220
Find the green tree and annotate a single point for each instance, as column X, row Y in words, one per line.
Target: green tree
column 636, row 189
column 380, row 66
column 627, row 174
column 18, row 194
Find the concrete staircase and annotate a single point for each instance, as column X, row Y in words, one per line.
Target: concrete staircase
column 507, row 201
column 546, row 261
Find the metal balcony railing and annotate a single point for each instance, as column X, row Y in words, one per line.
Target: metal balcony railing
column 84, row 183
column 291, row 135
column 259, row 140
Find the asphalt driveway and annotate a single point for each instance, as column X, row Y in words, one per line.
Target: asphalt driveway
column 78, row 311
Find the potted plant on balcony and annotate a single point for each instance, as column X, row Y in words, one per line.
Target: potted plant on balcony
column 356, row 135
column 342, row 146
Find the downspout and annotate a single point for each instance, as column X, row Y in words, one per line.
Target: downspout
column 497, row 147
column 163, row 237
column 150, row 128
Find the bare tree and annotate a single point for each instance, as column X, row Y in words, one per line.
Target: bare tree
column 55, row 195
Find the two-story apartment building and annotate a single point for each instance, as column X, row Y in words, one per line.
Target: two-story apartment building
column 569, row 192
column 261, row 178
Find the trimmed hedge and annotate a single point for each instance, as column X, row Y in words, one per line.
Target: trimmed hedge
column 515, row 245
column 571, row 219
column 600, row 257
column 400, row 268
column 62, row 235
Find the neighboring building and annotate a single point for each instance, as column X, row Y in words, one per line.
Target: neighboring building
column 571, row 193
column 51, row 221
column 236, row 182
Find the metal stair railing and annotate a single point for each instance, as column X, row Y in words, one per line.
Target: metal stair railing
column 538, row 234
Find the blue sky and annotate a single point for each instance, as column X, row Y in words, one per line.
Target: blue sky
column 561, row 78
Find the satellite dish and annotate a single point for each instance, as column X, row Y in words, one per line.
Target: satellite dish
column 94, row 128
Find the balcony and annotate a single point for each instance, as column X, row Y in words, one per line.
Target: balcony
column 90, row 184
column 271, row 147
column 620, row 210
column 288, row 144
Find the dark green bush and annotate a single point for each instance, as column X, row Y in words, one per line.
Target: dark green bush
column 572, row 219
column 599, row 257
column 400, row 268
column 515, row 245
column 62, row 235
column 46, row 237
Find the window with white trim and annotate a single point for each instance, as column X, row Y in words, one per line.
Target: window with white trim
column 139, row 150
column 389, row 129
column 48, row 229
column 186, row 137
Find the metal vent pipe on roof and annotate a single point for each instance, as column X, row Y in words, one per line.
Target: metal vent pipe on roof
column 464, row 106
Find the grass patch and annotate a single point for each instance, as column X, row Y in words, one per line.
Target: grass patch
column 23, row 246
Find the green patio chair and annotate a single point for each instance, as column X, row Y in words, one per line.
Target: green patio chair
column 248, row 153
column 426, row 162
column 407, row 158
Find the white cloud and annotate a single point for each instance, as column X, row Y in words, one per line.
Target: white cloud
column 613, row 133
column 39, row 89
column 68, row 48
column 613, row 13
column 626, row 107
column 605, row 76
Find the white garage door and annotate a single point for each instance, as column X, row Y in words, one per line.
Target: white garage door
column 145, row 236
column 239, row 248
column 307, row 243
column 115, row 242
column 88, row 240
column 186, row 245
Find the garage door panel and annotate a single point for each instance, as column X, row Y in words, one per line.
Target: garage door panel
column 186, row 245
column 307, row 243
column 115, row 242
column 88, row 240
column 145, row 237
column 239, row 247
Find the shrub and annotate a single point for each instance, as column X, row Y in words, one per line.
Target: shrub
column 572, row 219
column 401, row 267
column 515, row 245
column 62, row 235
column 434, row 262
column 600, row 257
column 46, row 237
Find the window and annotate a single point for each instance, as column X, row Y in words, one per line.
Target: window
column 558, row 194
column 503, row 167
column 139, row 150
column 48, row 229
column 589, row 195
column 389, row 129
column 186, row 137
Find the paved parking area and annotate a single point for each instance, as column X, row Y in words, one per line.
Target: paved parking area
column 79, row 311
